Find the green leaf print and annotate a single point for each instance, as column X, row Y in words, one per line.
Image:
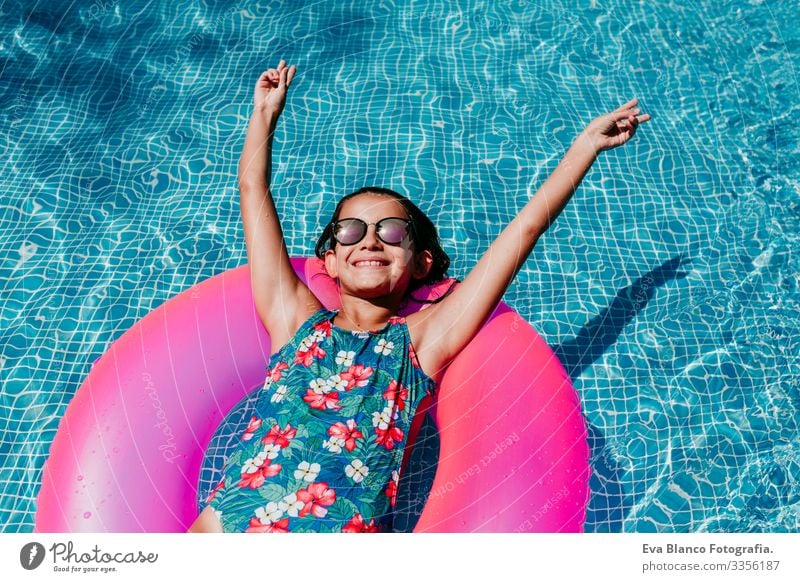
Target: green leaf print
column 351, row 406
column 314, row 444
column 285, row 411
column 346, row 506
column 229, row 522
column 272, row 492
column 340, row 512
column 234, row 459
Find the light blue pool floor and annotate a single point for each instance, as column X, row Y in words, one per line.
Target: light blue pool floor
column 669, row 287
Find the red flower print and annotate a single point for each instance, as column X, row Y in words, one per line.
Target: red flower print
column 357, row 375
column 306, row 355
column 328, row 400
column 280, row 526
column 315, row 496
column 397, row 393
column 347, row 432
column 324, row 327
column 388, row 436
column 219, row 486
column 391, row 488
column 276, row 373
column 358, row 525
column 256, row 480
column 255, row 422
column 280, row 436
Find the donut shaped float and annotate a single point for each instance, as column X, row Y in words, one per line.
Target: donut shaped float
column 128, row 452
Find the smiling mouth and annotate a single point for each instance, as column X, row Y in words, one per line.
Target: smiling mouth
column 369, row 264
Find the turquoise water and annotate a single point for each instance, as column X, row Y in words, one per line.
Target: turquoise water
column 669, row 287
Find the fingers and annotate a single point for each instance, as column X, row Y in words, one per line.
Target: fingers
column 629, row 110
column 286, row 76
column 630, row 115
column 282, row 76
column 620, row 114
column 269, row 76
column 627, row 105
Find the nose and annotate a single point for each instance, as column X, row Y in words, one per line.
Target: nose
column 371, row 240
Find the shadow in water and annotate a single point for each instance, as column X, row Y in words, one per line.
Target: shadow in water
column 607, row 507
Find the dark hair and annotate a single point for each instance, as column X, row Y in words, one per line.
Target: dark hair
column 423, row 236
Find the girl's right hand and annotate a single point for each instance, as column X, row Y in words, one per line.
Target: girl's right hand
column 270, row 91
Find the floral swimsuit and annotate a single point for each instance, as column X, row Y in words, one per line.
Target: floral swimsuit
column 323, row 450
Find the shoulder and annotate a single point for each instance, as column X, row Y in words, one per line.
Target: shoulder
column 298, row 325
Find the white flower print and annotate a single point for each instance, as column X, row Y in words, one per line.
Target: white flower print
column 269, row 514
column 253, row 464
column 384, row 348
column 334, row 444
column 291, row 505
column 279, row 395
column 307, row 471
column 218, row 514
column 345, row 359
column 381, row 419
column 320, row 386
column 336, row 383
column 318, row 336
column 271, row 450
column 356, row 470
column 267, row 383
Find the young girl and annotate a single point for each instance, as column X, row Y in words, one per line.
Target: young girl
column 323, row 450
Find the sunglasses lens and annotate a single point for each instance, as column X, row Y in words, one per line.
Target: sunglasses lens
column 392, row 231
column 349, row 231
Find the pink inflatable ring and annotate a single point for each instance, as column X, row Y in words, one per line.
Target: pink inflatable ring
column 128, row 451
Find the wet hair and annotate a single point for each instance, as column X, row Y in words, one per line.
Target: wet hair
column 423, row 236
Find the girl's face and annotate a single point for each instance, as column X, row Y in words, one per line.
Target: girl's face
column 355, row 265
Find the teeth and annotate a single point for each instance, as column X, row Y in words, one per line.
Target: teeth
column 369, row 263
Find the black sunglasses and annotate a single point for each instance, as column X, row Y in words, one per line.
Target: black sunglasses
column 349, row 231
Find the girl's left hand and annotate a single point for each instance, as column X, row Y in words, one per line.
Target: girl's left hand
column 614, row 129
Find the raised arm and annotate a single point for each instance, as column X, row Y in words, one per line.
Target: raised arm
column 281, row 299
column 450, row 325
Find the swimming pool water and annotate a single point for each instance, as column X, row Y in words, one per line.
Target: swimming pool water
column 669, row 287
